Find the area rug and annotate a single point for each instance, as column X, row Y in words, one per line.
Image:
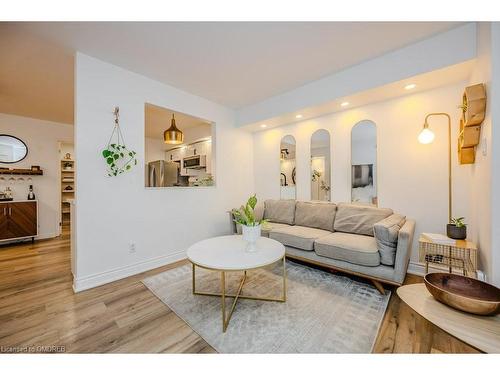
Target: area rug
column 324, row 312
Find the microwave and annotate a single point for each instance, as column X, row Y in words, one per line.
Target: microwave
column 195, row 162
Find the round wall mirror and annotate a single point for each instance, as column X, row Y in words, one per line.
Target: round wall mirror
column 12, row 149
column 320, row 165
column 287, row 167
column 364, row 163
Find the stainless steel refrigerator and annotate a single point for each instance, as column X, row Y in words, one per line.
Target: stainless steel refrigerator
column 162, row 173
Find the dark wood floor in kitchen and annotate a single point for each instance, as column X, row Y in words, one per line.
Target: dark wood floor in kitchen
column 38, row 307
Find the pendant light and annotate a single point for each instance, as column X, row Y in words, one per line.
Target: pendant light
column 172, row 135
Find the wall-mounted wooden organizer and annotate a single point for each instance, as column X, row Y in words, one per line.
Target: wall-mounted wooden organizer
column 473, row 112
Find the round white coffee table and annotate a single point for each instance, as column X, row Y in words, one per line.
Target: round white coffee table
column 228, row 254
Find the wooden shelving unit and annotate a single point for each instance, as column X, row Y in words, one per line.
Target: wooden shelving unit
column 67, row 178
column 473, row 112
column 18, row 171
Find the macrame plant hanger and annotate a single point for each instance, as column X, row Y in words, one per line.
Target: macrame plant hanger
column 118, row 158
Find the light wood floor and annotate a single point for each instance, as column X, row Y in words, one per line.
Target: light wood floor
column 38, row 307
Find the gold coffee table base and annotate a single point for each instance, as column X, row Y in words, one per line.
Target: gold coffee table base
column 238, row 295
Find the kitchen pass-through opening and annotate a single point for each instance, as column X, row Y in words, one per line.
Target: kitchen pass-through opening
column 179, row 149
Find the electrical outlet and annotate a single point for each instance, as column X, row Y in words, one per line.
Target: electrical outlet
column 131, row 248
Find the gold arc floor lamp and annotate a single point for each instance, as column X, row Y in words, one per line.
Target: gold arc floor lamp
column 426, row 136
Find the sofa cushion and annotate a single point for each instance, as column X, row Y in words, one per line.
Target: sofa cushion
column 358, row 219
column 298, row 236
column 352, row 248
column 386, row 234
column 265, row 228
column 280, row 210
column 269, row 226
column 315, row 214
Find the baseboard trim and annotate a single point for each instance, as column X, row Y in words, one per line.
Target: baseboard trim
column 45, row 236
column 98, row 279
column 416, row 269
column 419, row 269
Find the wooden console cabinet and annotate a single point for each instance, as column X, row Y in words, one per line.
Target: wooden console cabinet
column 18, row 220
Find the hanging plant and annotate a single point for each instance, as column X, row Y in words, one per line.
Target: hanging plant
column 118, row 158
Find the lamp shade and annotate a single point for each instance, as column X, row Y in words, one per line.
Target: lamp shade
column 426, row 136
column 173, row 135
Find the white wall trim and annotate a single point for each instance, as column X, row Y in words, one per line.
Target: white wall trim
column 98, row 279
column 44, row 236
column 419, row 269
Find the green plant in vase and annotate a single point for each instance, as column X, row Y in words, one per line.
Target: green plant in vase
column 251, row 227
column 118, row 158
column 457, row 229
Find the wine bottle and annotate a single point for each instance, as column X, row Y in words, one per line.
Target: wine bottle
column 31, row 195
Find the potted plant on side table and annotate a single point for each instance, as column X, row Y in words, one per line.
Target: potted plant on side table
column 250, row 227
column 457, row 229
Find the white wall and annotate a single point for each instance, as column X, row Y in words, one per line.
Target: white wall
column 495, row 149
column 114, row 212
column 412, row 178
column 484, row 213
column 42, row 139
column 480, row 213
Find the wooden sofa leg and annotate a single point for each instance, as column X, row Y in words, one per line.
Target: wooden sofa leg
column 379, row 286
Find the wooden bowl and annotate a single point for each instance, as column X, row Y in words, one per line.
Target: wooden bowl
column 464, row 293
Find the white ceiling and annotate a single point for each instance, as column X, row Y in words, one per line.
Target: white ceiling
column 36, row 76
column 235, row 64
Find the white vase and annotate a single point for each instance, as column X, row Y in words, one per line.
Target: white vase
column 251, row 235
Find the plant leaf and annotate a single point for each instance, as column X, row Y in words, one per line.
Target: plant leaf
column 252, row 201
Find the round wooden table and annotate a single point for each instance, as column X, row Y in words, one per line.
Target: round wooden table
column 228, row 254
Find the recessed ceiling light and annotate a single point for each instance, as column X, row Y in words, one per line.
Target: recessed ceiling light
column 344, row 104
column 410, row 86
column 298, row 116
column 263, row 126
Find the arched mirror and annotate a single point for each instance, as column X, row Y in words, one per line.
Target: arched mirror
column 287, row 167
column 320, row 165
column 364, row 163
column 12, row 149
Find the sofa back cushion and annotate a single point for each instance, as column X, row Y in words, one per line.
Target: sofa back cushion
column 386, row 233
column 358, row 219
column 280, row 210
column 315, row 215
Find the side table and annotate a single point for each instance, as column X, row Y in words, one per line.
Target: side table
column 462, row 255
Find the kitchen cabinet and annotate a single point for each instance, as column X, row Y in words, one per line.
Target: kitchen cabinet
column 208, row 151
column 198, row 148
column 173, row 155
column 18, row 220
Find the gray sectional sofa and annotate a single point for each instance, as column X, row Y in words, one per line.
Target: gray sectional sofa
column 366, row 241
